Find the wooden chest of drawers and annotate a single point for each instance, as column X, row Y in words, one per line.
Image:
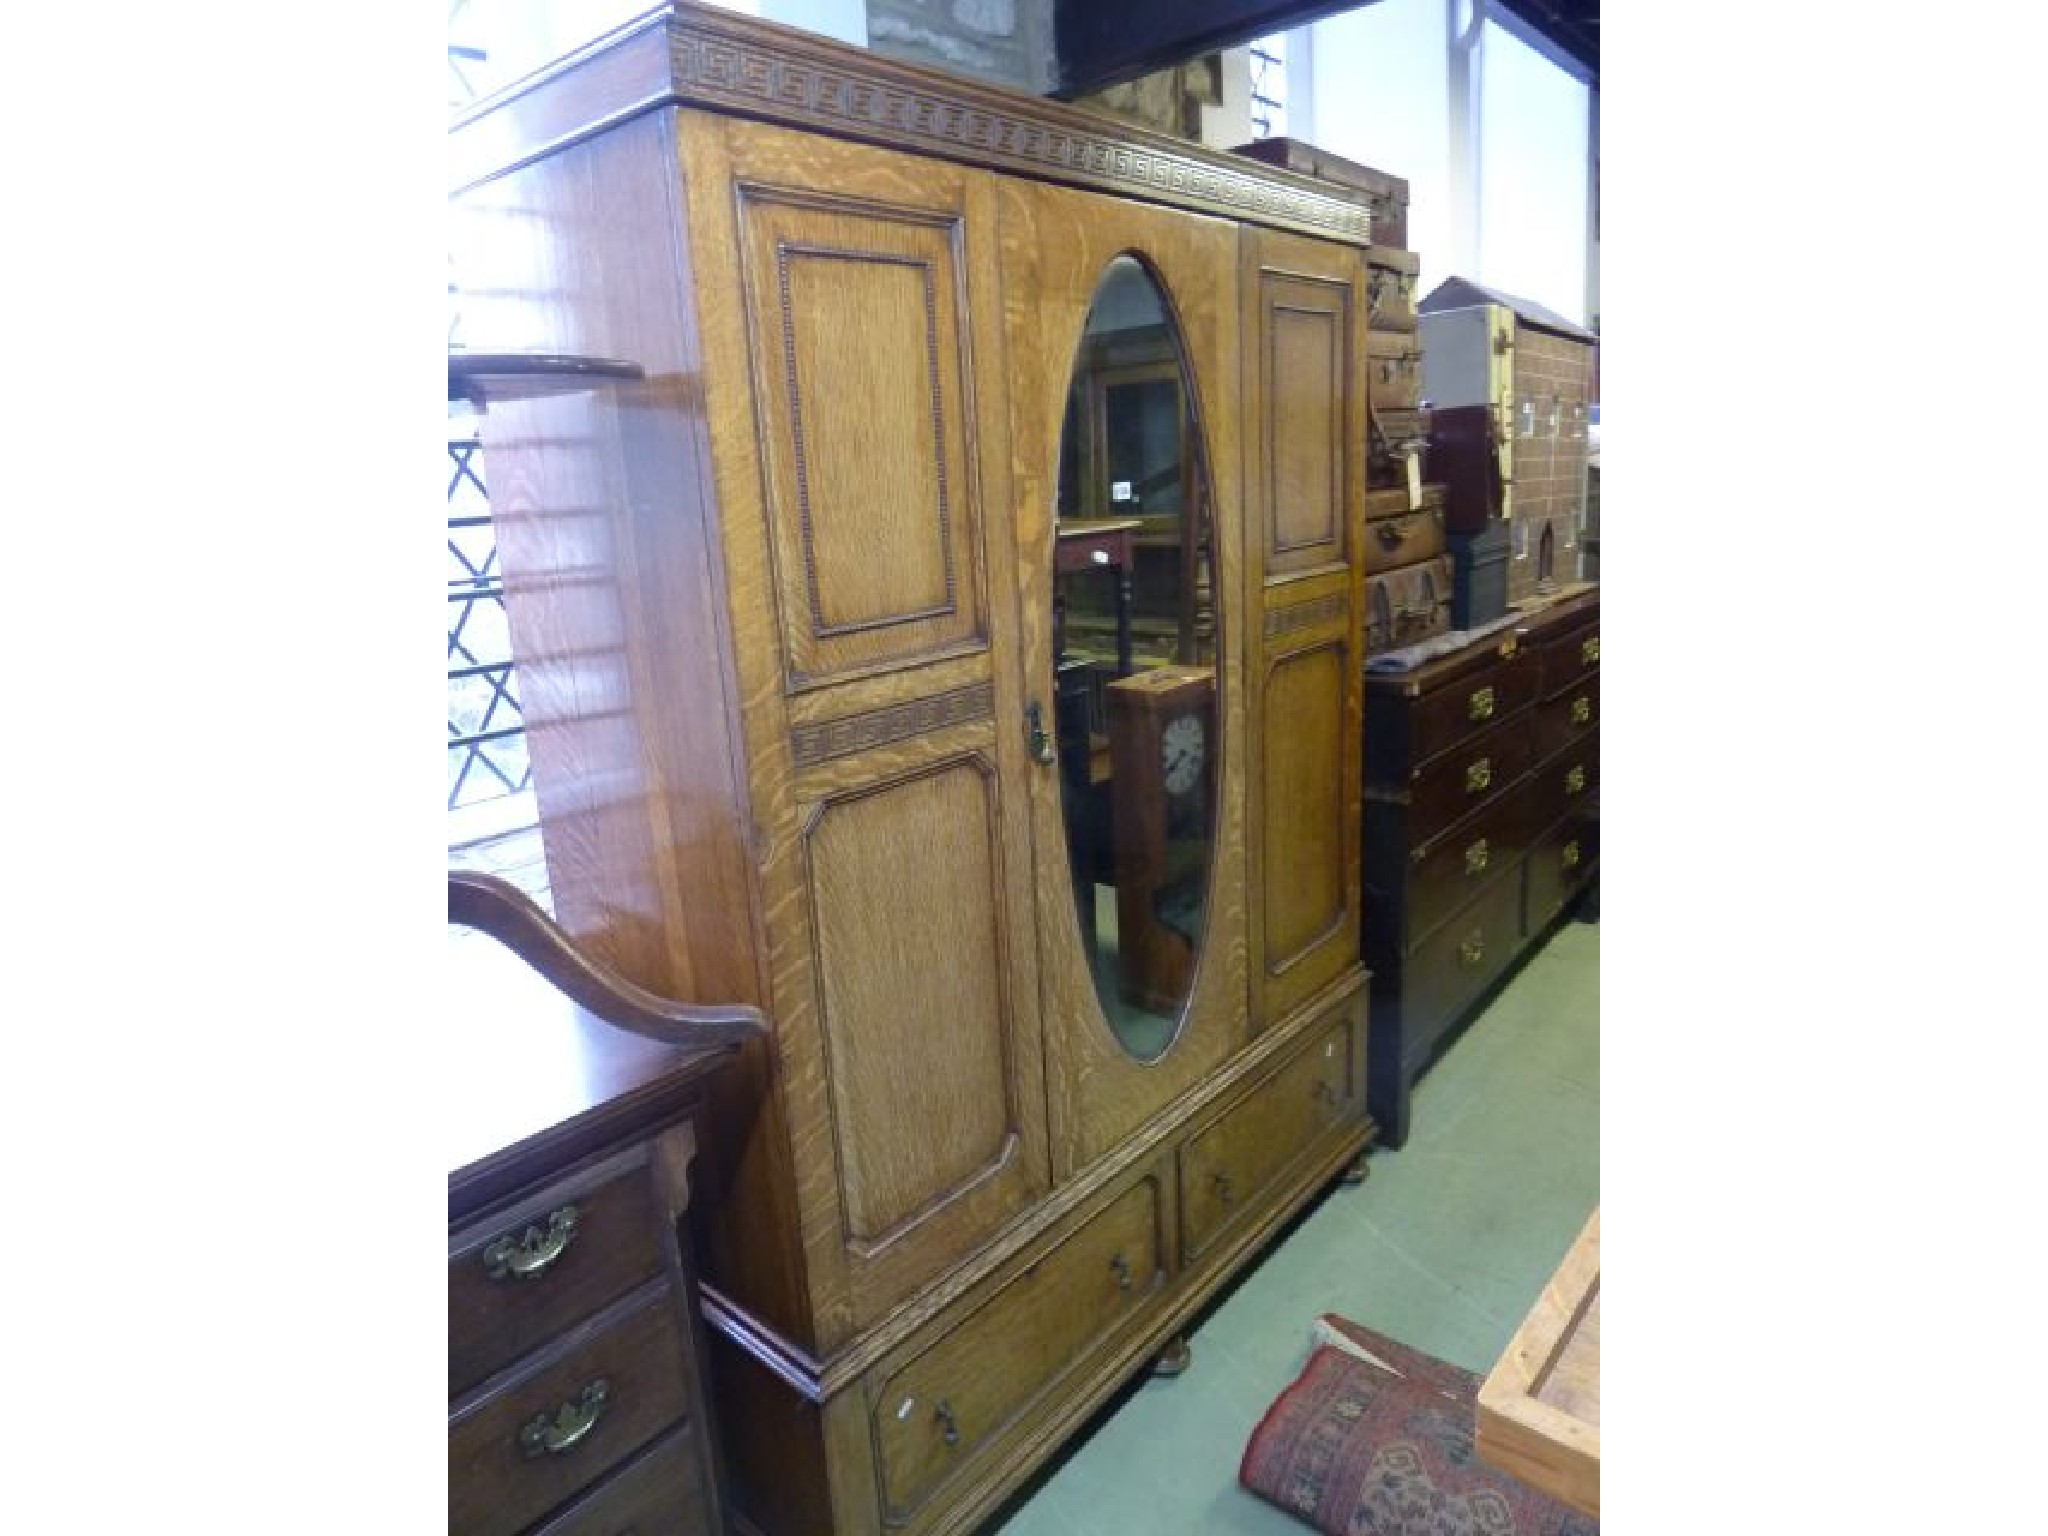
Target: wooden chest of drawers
column 575, row 1403
column 1480, row 827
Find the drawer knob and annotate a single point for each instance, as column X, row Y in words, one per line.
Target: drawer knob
column 1571, row 855
column 1476, row 857
column 1582, row 710
column 1121, row 1266
column 1480, row 705
column 1478, row 775
column 1589, row 650
column 1473, row 950
column 530, row 1254
column 558, row 1433
column 1574, row 779
column 1225, row 1191
column 949, row 1427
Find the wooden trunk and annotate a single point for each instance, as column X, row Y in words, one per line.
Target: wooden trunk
column 784, row 618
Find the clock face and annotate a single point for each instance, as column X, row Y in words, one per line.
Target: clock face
column 1181, row 748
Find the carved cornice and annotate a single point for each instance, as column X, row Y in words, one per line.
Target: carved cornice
column 732, row 63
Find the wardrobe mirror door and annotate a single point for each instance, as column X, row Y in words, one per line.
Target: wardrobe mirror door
column 1134, row 658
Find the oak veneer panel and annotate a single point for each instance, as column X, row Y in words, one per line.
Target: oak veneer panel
column 859, row 362
column 1304, row 802
column 1305, row 388
column 913, row 1004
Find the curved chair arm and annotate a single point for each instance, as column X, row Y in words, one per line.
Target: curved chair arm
column 514, row 919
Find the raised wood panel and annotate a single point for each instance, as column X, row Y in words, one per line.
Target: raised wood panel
column 913, row 997
column 1306, row 386
column 876, row 1224
column 1306, row 856
column 860, row 364
column 1056, row 244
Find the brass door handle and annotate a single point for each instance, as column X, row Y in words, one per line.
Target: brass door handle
column 557, row 1433
column 1480, row 705
column 1582, row 709
column 1035, row 738
column 1571, row 855
column 1224, row 1191
column 1574, row 780
column 949, row 1427
column 1121, row 1267
column 1478, row 775
column 1473, row 949
column 1589, row 651
column 530, row 1254
column 1476, row 857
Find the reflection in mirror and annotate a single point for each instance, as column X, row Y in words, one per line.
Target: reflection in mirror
column 1134, row 669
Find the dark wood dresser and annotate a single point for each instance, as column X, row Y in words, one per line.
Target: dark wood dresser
column 574, row 1397
column 1479, row 829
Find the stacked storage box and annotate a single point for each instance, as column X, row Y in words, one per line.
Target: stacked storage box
column 1513, row 385
column 1407, row 571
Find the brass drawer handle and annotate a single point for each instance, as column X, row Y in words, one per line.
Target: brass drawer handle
column 1224, row 1190
column 1582, row 710
column 1122, row 1268
column 1589, row 650
column 1476, row 857
column 1473, row 949
column 560, row 1432
column 1571, row 855
column 1036, row 742
column 1478, row 775
column 530, row 1254
column 1480, row 705
column 1574, row 780
column 949, row 1427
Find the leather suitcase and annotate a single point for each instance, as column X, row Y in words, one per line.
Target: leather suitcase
column 1397, row 534
column 1467, row 456
column 1410, row 603
column 1389, row 194
column 1391, row 281
column 1395, row 434
column 1396, row 364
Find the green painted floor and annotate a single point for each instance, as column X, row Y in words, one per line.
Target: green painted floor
column 1444, row 1247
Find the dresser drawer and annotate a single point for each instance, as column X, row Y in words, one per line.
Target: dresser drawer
column 537, row 1439
column 546, row 1263
column 1395, row 358
column 1560, row 863
column 1398, row 535
column 931, row 1415
column 1569, row 656
column 1459, row 782
column 1469, row 704
column 661, row 1492
column 1464, row 956
column 1226, row 1169
column 1458, row 863
column 1568, row 781
column 1567, row 716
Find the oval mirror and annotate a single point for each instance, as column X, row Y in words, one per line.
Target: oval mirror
column 1134, row 659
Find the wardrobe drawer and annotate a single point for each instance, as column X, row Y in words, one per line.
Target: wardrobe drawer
column 1570, row 780
column 1469, row 704
column 532, row 1442
column 1560, row 863
column 1566, row 716
column 661, row 1492
column 1570, row 656
column 544, row 1264
column 1457, row 962
column 931, row 1415
column 1226, row 1169
column 1450, row 870
column 1458, row 782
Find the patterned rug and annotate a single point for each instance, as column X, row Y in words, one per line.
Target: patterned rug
column 1375, row 1439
